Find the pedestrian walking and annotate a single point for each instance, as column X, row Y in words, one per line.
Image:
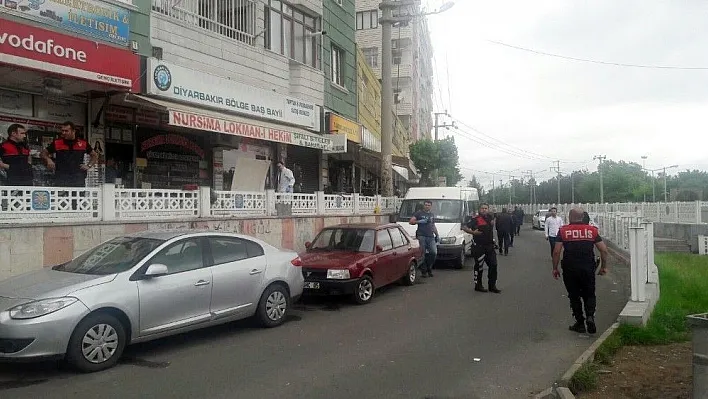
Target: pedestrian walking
column 427, row 234
column 505, row 229
column 286, row 179
column 553, row 224
column 483, row 234
column 519, row 219
column 576, row 243
column 15, row 157
column 68, row 153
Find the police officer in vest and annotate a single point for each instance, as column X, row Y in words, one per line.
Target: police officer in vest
column 482, row 231
column 15, row 157
column 577, row 241
column 68, row 151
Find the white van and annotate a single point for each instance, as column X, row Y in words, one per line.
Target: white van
column 451, row 206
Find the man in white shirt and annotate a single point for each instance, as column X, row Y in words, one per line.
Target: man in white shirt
column 286, row 179
column 553, row 224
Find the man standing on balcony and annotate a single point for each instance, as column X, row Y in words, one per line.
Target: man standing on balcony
column 15, row 157
column 68, row 164
column 577, row 241
column 553, row 224
column 286, row 179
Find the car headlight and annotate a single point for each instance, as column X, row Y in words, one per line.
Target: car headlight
column 338, row 274
column 448, row 240
column 40, row 308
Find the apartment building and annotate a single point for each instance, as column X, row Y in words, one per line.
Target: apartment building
column 412, row 64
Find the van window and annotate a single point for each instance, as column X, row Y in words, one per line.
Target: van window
column 445, row 210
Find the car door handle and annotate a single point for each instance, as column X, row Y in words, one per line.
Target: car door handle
column 201, row 282
column 255, row 271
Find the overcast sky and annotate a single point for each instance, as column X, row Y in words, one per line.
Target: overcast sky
column 557, row 109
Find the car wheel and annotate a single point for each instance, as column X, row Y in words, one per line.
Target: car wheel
column 364, row 290
column 411, row 275
column 460, row 261
column 273, row 306
column 96, row 343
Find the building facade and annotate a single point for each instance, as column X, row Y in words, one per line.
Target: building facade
column 412, row 67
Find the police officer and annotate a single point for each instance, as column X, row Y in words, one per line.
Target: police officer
column 577, row 241
column 483, row 232
column 15, row 157
column 68, row 151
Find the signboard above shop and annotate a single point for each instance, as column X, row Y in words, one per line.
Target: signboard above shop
column 93, row 18
column 341, row 125
column 202, row 89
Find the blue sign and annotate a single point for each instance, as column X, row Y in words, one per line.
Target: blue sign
column 41, row 200
column 96, row 19
column 238, row 201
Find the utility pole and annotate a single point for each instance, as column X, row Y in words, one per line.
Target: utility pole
column 602, row 186
column 494, row 200
column 644, row 166
column 572, row 187
column 512, row 193
column 445, row 124
column 529, row 173
column 557, row 169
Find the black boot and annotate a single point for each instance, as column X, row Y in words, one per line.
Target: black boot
column 578, row 327
column 479, row 288
column 590, row 323
column 493, row 288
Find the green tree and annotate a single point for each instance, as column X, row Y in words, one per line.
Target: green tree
column 436, row 158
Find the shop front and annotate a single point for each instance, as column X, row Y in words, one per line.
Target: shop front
column 48, row 78
column 345, row 172
column 236, row 133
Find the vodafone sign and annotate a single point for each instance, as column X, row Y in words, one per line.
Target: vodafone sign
column 44, row 50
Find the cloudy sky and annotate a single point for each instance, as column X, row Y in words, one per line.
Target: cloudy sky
column 535, row 109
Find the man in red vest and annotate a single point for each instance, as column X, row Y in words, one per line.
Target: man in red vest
column 15, row 157
column 68, row 163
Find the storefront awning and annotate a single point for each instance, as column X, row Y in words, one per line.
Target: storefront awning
column 404, row 162
column 186, row 116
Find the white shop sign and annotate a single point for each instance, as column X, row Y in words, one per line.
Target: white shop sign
column 339, row 144
column 61, row 110
column 15, row 103
column 369, row 141
column 188, row 85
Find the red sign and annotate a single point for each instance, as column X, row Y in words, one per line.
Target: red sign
column 45, row 50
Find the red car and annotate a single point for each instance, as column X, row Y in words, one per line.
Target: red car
column 356, row 259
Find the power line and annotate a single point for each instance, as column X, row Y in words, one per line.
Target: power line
column 620, row 64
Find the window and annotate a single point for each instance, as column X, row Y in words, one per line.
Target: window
column 234, row 19
column 397, row 97
column 292, row 33
column 371, row 55
column 384, row 240
column 182, row 256
column 397, row 56
column 367, row 19
column 396, row 238
column 337, row 66
column 229, row 249
column 358, row 240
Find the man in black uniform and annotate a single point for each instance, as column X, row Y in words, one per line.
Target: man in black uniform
column 15, row 157
column 483, row 232
column 505, row 228
column 577, row 242
column 68, row 163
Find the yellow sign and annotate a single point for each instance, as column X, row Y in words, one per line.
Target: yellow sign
column 339, row 125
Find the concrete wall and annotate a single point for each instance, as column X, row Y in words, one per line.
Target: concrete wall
column 676, row 231
column 24, row 249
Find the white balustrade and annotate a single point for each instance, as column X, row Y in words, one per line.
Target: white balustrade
column 338, row 204
column 49, row 204
column 239, row 203
column 133, row 203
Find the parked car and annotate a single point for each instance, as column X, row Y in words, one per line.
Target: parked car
column 539, row 219
column 357, row 259
column 141, row 287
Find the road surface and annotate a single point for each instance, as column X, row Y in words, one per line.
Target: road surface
column 438, row 339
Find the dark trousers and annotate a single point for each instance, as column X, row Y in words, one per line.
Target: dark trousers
column 518, row 228
column 580, row 283
column 552, row 241
column 505, row 239
column 490, row 257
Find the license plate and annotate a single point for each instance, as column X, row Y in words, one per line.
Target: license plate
column 312, row 285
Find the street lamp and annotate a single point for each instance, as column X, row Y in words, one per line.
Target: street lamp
column 653, row 181
column 387, row 20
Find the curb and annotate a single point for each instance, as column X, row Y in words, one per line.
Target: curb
column 560, row 389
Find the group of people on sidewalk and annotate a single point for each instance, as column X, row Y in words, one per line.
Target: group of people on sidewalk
column 572, row 248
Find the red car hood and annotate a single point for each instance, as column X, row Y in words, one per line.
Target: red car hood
column 330, row 259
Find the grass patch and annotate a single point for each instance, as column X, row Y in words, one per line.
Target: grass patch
column 585, row 379
column 684, row 291
column 604, row 353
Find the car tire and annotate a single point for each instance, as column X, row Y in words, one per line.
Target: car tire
column 274, row 306
column 411, row 275
column 460, row 261
column 364, row 291
column 106, row 332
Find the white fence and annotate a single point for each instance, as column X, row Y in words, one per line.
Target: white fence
column 58, row 204
column 664, row 212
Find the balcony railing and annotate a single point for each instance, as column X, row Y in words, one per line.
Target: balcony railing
column 235, row 19
column 42, row 205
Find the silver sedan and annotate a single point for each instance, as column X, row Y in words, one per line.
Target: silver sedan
column 141, row 287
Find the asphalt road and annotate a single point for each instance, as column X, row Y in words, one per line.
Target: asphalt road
column 438, row 339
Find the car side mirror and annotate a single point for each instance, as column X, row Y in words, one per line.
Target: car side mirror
column 379, row 248
column 308, row 245
column 156, row 270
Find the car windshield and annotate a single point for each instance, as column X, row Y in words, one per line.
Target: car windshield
column 345, row 239
column 445, row 210
column 114, row 256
